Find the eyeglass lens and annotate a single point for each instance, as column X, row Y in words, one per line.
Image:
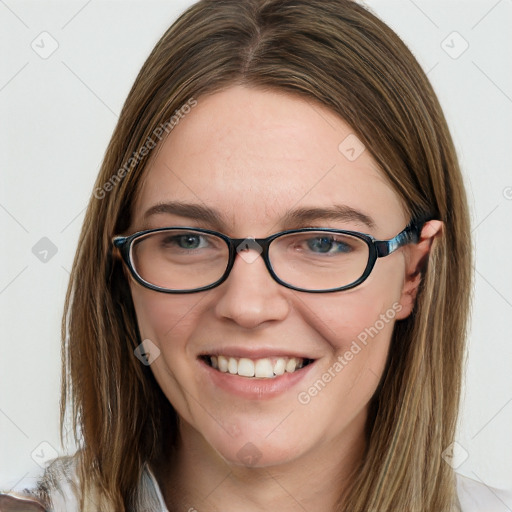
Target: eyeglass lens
column 187, row 259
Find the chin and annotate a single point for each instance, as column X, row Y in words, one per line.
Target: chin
column 255, row 447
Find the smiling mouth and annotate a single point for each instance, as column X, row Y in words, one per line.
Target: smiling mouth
column 262, row 368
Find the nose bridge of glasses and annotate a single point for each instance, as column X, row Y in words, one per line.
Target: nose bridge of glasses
column 250, row 248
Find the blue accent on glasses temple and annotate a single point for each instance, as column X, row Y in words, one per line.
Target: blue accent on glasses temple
column 411, row 234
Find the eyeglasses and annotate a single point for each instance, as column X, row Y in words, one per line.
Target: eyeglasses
column 187, row 260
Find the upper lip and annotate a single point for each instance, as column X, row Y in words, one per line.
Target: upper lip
column 256, row 353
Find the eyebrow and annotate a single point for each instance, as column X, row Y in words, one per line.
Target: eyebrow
column 192, row 211
column 303, row 216
column 296, row 217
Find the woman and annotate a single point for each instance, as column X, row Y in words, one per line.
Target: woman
column 268, row 303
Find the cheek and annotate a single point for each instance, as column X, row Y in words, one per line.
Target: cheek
column 368, row 312
column 358, row 329
column 165, row 319
column 357, row 326
column 168, row 320
column 358, row 332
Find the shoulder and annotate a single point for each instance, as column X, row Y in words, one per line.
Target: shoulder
column 55, row 489
column 475, row 496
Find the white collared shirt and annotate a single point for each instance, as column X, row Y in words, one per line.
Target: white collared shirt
column 474, row 496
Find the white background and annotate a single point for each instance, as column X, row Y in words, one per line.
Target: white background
column 56, row 118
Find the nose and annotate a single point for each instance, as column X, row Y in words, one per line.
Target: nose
column 250, row 297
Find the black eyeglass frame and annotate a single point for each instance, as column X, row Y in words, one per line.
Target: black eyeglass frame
column 376, row 249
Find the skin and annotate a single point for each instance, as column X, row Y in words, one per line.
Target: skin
column 254, row 155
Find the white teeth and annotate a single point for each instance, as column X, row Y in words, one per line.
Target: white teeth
column 223, row 363
column 291, row 365
column 280, row 366
column 246, row 367
column 264, row 368
column 232, row 365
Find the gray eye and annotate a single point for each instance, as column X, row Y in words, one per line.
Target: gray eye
column 326, row 244
column 189, row 241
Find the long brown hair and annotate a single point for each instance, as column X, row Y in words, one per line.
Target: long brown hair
column 335, row 53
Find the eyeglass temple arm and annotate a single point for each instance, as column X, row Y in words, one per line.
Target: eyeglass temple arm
column 410, row 235
column 121, row 245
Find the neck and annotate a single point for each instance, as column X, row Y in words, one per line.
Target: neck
column 195, row 477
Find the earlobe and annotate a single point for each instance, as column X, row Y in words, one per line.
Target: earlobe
column 416, row 260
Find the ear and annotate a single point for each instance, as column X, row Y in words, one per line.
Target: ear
column 416, row 257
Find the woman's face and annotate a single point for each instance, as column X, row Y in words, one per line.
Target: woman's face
column 253, row 157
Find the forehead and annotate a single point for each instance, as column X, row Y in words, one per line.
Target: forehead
column 254, row 155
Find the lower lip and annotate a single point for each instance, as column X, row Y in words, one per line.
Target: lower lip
column 254, row 388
